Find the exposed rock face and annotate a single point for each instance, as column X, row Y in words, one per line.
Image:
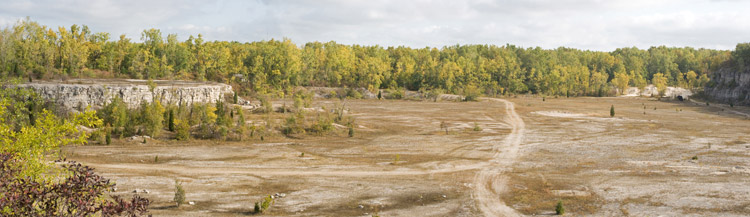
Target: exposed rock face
column 729, row 86
column 78, row 94
column 650, row 90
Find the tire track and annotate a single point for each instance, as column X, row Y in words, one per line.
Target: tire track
column 488, row 183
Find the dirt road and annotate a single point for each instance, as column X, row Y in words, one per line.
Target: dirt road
column 488, row 183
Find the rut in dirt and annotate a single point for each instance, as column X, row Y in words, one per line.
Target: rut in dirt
column 489, row 182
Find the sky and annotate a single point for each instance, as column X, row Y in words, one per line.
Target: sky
column 602, row 25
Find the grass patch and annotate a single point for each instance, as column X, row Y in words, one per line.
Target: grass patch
column 537, row 197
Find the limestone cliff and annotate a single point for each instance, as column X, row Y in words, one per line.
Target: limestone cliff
column 729, row 86
column 79, row 93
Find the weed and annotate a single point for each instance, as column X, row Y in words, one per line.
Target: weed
column 560, row 209
column 179, row 193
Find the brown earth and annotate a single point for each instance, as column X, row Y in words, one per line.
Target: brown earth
column 529, row 154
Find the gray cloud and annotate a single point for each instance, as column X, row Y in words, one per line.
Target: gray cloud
column 585, row 24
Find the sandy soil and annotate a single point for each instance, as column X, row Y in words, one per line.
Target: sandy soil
column 529, row 155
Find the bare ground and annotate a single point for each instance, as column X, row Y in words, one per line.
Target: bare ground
column 528, row 155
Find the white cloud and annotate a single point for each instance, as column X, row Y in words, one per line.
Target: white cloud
column 585, row 24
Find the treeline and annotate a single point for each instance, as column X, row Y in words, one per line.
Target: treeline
column 28, row 49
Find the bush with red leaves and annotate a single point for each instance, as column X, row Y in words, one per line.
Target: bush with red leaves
column 82, row 193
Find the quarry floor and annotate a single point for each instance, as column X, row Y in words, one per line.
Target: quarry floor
column 653, row 158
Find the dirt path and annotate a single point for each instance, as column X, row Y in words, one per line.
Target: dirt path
column 287, row 171
column 488, row 183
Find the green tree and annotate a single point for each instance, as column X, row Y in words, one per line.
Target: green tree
column 152, row 116
column 660, row 82
column 171, row 120
column 612, row 111
column 32, row 144
column 621, row 82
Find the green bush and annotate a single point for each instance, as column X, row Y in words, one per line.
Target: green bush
column 559, row 209
column 265, row 204
column 240, row 128
column 294, row 124
column 612, row 111
column 351, row 131
column 171, row 120
column 476, row 127
column 265, row 105
column 471, row 93
column 353, row 93
column 152, row 117
column 108, row 137
column 395, row 94
column 182, row 129
column 179, row 193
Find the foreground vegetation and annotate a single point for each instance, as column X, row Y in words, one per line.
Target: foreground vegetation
column 31, row 184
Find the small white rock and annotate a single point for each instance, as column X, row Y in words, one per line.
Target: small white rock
column 191, row 202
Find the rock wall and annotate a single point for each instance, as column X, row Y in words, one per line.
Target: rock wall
column 651, row 90
column 78, row 94
column 729, row 86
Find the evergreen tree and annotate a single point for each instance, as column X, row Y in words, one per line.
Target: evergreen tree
column 171, row 120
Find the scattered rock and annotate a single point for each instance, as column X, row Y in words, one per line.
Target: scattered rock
column 361, row 207
column 146, row 191
column 191, row 203
column 444, row 196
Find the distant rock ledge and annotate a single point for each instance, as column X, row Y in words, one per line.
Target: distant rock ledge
column 77, row 94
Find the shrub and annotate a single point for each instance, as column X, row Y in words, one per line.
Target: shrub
column 182, row 130
column 612, row 111
column 240, row 128
column 179, row 193
column 395, row 94
column 694, row 157
column 116, row 114
column 434, row 94
column 265, row 105
column 171, row 120
column 108, row 137
column 380, row 94
column 152, row 117
column 294, row 124
column 80, row 193
column 476, row 127
column 471, row 93
column 353, row 93
column 559, row 209
column 351, row 131
column 264, row 204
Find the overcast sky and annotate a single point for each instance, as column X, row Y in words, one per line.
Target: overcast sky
column 585, row 24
